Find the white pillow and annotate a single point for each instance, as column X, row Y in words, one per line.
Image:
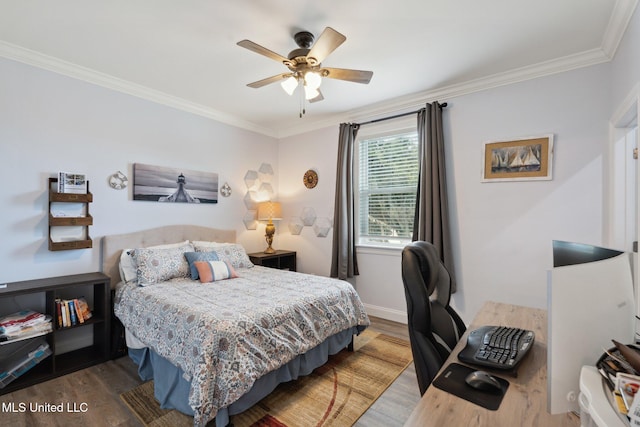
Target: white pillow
column 128, row 265
column 168, row 245
column 203, row 246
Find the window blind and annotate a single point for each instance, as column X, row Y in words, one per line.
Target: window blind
column 388, row 176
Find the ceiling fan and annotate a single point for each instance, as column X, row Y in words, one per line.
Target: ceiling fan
column 305, row 65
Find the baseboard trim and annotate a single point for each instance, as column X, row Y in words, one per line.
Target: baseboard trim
column 386, row 313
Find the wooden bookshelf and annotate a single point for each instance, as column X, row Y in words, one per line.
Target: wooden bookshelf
column 69, row 221
column 95, row 287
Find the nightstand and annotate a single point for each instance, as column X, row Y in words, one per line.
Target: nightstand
column 281, row 259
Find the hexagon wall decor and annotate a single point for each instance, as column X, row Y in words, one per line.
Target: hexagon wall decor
column 250, row 200
column 308, row 216
column 322, row 227
column 251, row 180
column 296, row 225
column 250, row 220
column 265, row 173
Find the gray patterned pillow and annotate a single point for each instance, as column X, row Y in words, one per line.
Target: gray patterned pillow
column 234, row 254
column 158, row 265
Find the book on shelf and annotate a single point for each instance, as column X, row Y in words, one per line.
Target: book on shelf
column 67, row 316
column 63, row 310
column 79, row 313
column 72, row 183
column 84, row 308
column 58, row 312
column 72, row 312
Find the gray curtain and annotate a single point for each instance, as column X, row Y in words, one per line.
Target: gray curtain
column 432, row 222
column 343, row 260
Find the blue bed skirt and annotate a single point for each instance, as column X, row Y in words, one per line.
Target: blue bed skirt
column 171, row 389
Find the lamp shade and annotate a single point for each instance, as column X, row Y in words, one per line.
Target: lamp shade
column 290, row 85
column 269, row 210
column 312, row 80
column 310, row 93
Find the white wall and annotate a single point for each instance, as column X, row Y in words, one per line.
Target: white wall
column 502, row 231
column 49, row 123
column 378, row 283
column 297, row 154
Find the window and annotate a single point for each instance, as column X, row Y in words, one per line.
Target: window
column 387, row 182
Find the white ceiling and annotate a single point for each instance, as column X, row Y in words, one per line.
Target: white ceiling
column 184, row 53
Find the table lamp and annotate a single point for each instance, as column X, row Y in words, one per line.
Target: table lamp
column 269, row 211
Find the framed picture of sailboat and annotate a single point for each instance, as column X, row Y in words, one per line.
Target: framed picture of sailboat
column 522, row 159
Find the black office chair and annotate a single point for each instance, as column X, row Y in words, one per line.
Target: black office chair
column 434, row 327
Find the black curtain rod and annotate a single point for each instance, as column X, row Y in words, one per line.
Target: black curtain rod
column 444, row 104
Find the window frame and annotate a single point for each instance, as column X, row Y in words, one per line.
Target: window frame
column 379, row 130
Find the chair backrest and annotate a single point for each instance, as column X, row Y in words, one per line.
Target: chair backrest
column 434, row 327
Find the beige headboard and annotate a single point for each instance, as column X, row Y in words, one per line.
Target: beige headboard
column 112, row 246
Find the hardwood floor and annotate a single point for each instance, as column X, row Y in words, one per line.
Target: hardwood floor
column 94, row 393
column 396, row 403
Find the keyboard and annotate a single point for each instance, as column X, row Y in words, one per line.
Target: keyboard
column 497, row 347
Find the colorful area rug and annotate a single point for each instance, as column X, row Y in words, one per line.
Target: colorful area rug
column 335, row 394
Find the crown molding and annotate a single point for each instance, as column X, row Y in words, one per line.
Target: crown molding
column 620, row 17
column 36, row 59
column 418, row 100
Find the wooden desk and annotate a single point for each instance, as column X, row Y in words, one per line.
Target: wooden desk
column 525, row 403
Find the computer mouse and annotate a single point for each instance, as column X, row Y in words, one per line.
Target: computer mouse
column 481, row 380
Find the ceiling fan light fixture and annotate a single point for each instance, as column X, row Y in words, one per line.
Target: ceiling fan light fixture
column 304, row 65
column 312, row 80
column 310, row 93
column 289, row 85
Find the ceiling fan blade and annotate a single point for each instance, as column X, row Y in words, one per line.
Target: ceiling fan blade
column 270, row 80
column 328, row 41
column 357, row 76
column 254, row 47
column 319, row 97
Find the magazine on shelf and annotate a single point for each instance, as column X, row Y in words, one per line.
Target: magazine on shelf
column 34, row 332
column 24, row 324
column 19, row 320
column 72, row 183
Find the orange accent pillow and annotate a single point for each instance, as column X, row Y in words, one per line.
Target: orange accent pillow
column 212, row 271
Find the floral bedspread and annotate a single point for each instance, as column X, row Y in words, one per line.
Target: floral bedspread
column 228, row 333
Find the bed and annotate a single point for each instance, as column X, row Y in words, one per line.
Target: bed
column 216, row 345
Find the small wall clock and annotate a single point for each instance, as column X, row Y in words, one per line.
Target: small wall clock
column 310, row 178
